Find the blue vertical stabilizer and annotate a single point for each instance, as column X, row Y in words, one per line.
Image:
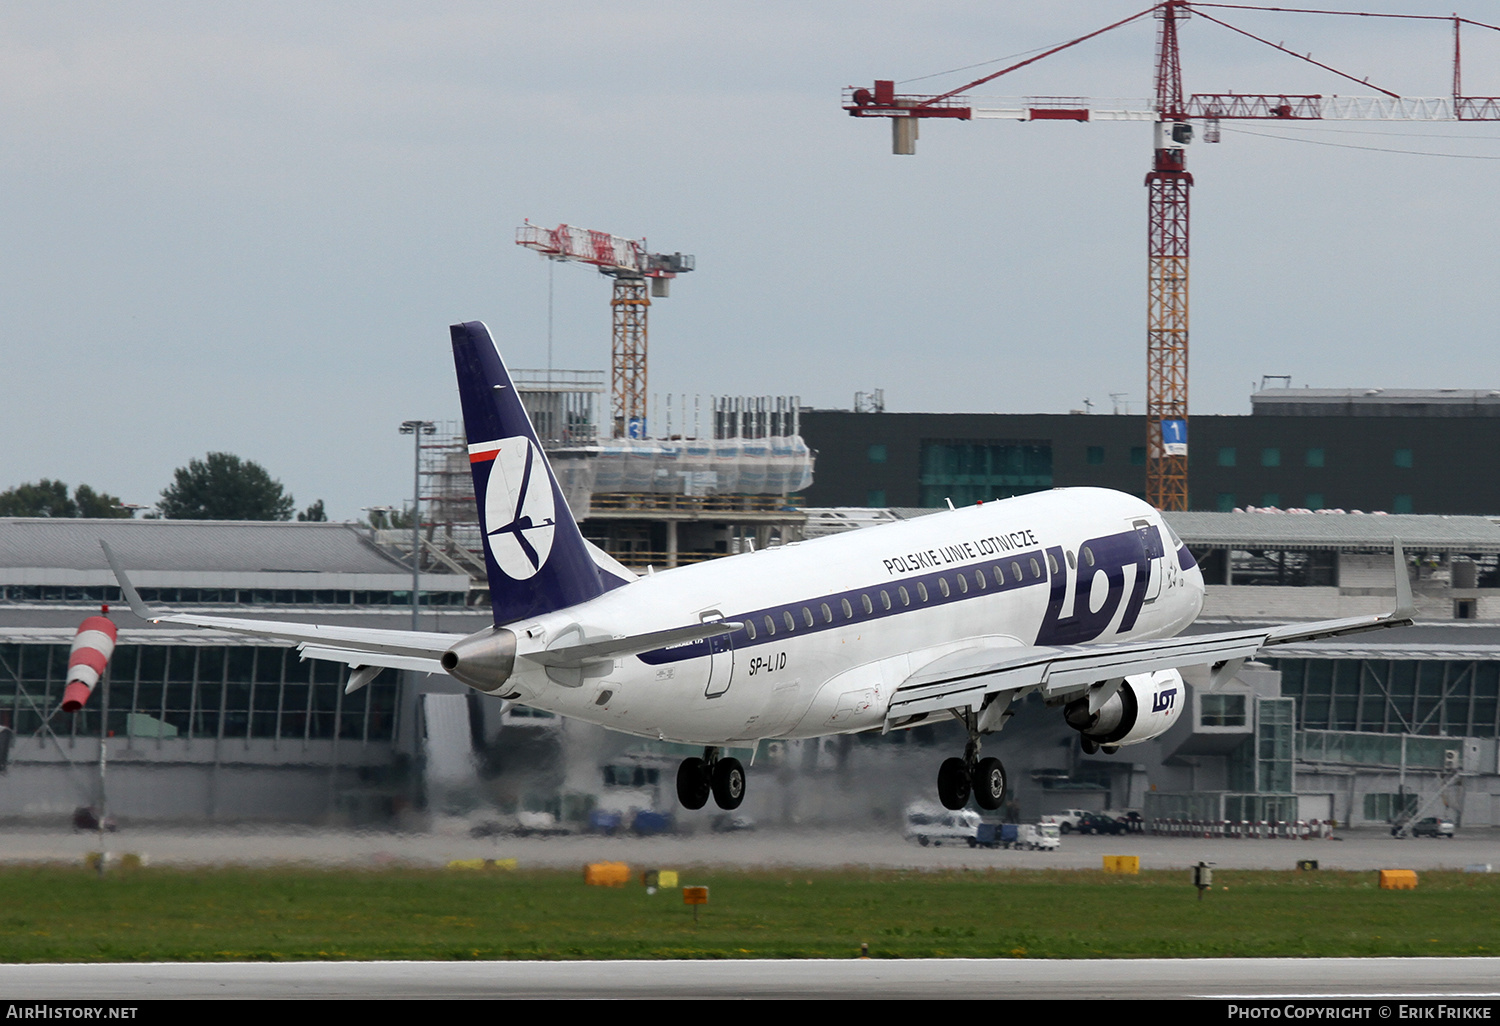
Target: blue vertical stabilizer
column 535, row 556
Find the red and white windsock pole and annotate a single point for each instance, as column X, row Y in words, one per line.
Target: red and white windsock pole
column 92, row 646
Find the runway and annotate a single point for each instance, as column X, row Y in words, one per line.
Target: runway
column 1375, row 980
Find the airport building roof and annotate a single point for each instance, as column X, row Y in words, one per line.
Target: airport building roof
column 1349, row 531
column 203, row 553
column 1376, row 402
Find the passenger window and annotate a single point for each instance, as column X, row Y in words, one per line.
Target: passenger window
column 1072, row 563
column 963, row 585
column 905, row 595
column 1052, row 564
column 864, row 600
column 827, row 613
column 921, row 591
column 848, row 609
column 943, row 586
column 1015, row 571
column 1036, row 570
column 786, row 618
column 770, row 627
column 999, row 576
column 807, row 616
column 885, row 599
column 750, row 629
column 1087, row 554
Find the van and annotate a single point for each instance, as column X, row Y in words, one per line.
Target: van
column 932, row 824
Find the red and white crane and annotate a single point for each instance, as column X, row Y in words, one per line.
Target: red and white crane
column 1168, row 181
column 631, row 266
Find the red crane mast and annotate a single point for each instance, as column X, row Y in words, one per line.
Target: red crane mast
column 1168, row 181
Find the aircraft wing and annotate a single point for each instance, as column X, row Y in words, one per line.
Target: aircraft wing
column 964, row 679
column 403, row 650
column 356, row 646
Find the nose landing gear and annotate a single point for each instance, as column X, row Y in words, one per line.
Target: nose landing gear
column 721, row 776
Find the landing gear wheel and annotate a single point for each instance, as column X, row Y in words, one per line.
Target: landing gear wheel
column 692, row 784
column 729, row 783
column 953, row 784
column 989, row 784
column 1088, row 744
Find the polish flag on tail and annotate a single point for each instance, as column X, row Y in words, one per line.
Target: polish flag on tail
column 92, row 646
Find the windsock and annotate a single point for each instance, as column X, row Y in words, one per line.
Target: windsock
column 92, row 646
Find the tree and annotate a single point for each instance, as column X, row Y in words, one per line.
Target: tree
column 98, row 504
column 48, row 498
column 314, row 513
column 224, row 487
column 389, row 518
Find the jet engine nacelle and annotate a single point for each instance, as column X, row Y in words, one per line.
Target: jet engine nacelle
column 1143, row 708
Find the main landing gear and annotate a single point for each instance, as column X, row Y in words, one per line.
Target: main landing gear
column 983, row 778
column 714, row 774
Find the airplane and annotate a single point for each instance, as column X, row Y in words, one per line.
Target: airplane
column 1079, row 595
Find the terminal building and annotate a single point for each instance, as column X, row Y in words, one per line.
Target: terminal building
column 1376, row 450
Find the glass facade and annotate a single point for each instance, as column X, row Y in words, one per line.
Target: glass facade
column 198, row 691
column 1222, row 710
column 1456, row 698
column 1389, row 807
column 970, row 472
column 1391, row 751
column 1274, row 744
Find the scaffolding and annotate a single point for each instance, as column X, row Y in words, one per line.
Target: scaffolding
column 719, row 476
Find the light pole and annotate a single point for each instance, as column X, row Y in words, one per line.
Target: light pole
column 416, row 428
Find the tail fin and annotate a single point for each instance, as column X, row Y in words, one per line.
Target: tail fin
column 535, row 556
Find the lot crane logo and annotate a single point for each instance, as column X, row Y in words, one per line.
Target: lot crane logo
column 519, row 515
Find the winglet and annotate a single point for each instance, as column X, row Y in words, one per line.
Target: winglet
column 1406, row 609
column 138, row 607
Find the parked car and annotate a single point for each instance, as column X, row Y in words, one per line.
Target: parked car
column 1099, row 823
column 1432, row 826
column 1066, row 820
column 932, row 824
column 86, row 817
column 1035, row 837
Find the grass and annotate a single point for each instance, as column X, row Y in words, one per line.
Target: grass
column 58, row 914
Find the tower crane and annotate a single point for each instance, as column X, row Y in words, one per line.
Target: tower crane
column 631, row 266
column 1168, row 181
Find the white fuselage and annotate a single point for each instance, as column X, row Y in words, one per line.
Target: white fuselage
column 834, row 625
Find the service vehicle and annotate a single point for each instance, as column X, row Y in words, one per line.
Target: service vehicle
column 932, row 824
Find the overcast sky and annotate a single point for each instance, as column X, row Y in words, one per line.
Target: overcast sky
column 245, row 227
